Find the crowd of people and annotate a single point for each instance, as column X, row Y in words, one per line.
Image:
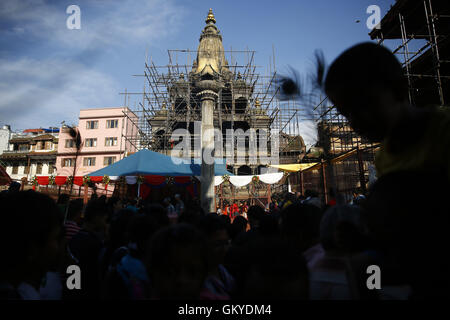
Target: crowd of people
column 300, row 248
column 296, row 248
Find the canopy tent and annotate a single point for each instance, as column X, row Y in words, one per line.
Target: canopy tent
column 294, row 167
column 146, row 162
column 220, row 167
column 240, row 181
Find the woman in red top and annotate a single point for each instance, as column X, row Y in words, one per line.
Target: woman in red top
column 234, row 211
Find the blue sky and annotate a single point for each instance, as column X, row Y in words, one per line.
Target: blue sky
column 48, row 72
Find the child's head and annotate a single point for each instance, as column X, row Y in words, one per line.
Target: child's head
column 177, row 262
column 368, row 86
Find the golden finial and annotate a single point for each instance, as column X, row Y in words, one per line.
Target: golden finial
column 210, row 17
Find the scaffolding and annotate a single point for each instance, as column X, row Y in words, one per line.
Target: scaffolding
column 344, row 161
column 249, row 100
column 419, row 33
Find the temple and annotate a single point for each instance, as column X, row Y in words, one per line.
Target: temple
column 240, row 98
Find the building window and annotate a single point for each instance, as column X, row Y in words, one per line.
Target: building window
column 39, row 168
column 109, row 160
column 112, row 124
column 109, row 142
column 15, row 169
column 69, row 162
column 26, row 170
column 23, row 147
column 48, row 145
column 92, row 124
column 91, row 142
column 70, row 143
column 50, row 168
column 89, row 162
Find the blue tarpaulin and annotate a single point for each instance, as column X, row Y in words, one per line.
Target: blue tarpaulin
column 146, row 162
column 220, row 167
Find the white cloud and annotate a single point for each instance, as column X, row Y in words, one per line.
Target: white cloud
column 43, row 93
column 103, row 23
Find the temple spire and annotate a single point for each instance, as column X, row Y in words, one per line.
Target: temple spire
column 210, row 54
column 210, row 17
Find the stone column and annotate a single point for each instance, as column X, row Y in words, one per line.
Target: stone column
column 207, row 98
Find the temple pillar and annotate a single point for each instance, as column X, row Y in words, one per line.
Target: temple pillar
column 208, row 99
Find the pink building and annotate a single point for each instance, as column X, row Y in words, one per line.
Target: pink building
column 102, row 134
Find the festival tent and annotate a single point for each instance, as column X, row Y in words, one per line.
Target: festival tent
column 241, row 181
column 146, row 162
column 220, row 167
column 294, row 167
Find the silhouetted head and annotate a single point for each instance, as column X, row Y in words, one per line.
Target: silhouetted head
column 300, row 225
column 238, row 226
column 216, row 233
column 30, row 238
column 274, row 271
column 342, row 229
column 368, row 86
column 95, row 215
column 177, row 262
column 14, row 186
column 140, row 229
column 75, row 209
column 255, row 214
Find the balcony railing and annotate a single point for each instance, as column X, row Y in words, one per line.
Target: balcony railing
column 16, row 151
